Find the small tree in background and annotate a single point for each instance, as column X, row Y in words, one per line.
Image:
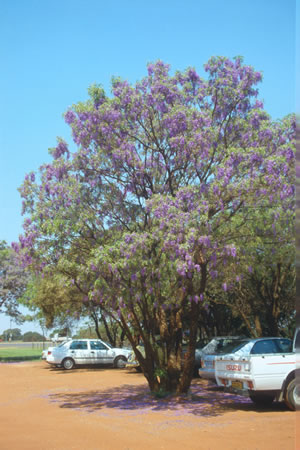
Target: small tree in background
column 33, row 336
column 12, row 334
column 13, row 280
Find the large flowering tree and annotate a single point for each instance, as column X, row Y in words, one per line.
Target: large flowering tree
column 155, row 202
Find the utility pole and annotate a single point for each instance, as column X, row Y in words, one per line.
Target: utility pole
column 10, row 333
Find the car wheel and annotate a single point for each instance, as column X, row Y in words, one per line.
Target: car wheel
column 120, row 362
column 68, row 363
column 292, row 395
column 138, row 369
column 262, row 399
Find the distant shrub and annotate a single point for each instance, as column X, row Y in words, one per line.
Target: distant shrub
column 33, row 336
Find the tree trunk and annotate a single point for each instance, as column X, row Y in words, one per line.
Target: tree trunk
column 258, row 327
column 189, row 359
column 108, row 333
column 164, row 367
column 248, row 324
column 95, row 319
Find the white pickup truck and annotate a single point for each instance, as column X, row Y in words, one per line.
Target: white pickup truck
column 264, row 369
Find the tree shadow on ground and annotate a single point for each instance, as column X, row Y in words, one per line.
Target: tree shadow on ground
column 204, row 400
column 82, row 369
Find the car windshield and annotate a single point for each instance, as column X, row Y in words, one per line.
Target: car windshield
column 63, row 343
column 108, row 345
column 201, row 344
column 230, row 347
column 217, row 344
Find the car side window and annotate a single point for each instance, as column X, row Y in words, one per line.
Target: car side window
column 284, row 345
column 78, row 345
column 97, row 345
column 264, row 346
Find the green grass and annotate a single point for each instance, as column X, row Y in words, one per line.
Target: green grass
column 19, row 354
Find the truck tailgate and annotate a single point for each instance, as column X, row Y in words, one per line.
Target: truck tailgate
column 256, row 371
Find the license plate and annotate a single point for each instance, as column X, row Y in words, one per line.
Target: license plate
column 237, row 384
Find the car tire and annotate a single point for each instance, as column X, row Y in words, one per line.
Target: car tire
column 119, row 362
column 292, row 395
column 262, row 399
column 68, row 363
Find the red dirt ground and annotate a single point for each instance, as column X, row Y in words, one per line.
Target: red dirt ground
column 42, row 408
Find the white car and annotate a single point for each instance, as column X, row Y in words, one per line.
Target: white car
column 87, row 351
column 263, row 369
column 223, row 346
column 49, row 349
column 45, row 352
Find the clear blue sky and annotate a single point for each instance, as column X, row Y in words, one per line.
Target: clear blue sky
column 51, row 51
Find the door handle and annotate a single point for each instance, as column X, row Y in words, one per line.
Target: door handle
column 92, row 352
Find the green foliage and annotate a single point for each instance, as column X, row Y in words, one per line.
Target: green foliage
column 13, row 334
column 161, row 393
column 13, row 280
column 160, row 372
column 33, row 336
column 87, row 332
column 264, row 295
column 57, row 299
column 97, row 93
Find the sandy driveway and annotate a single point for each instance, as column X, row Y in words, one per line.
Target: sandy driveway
column 42, row 408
